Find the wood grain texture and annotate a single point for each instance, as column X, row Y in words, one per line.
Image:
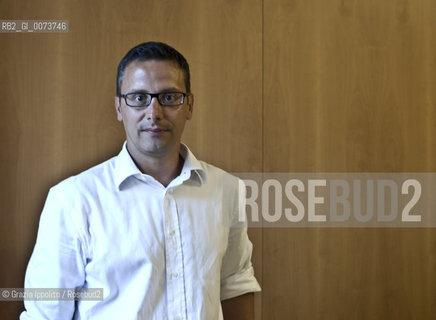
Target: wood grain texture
column 280, row 86
column 58, row 99
column 349, row 87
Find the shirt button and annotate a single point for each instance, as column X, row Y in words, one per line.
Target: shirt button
column 175, row 274
column 172, row 233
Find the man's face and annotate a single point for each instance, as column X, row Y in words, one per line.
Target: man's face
column 153, row 130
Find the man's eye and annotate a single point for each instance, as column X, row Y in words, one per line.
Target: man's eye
column 139, row 97
column 169, row 97
column 136, row 97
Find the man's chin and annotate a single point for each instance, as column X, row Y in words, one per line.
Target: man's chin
column 158, row 149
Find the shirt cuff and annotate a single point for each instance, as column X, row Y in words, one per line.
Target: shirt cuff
column 239, row 284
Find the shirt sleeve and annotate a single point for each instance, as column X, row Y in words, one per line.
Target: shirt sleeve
column 57, row 261
column 237, row 274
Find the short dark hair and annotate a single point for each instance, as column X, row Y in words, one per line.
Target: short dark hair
column 153, row 51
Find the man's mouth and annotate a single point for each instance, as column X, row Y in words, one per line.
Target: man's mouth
column 155, row 131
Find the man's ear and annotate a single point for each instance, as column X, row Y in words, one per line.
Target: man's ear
column 190, row 103
column 118, row 108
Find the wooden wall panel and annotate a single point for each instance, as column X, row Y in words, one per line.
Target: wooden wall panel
column 349, row 86
column 281, row 86
column 57, row 99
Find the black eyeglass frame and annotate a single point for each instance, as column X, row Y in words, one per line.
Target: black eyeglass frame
column 158, row 96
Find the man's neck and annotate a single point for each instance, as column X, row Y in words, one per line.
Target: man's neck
column 163, row 168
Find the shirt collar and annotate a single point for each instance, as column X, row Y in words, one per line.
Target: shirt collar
column 125, row 167
column 191, row 165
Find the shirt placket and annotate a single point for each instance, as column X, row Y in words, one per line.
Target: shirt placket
column 174, row 260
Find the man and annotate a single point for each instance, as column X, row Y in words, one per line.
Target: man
column 154, row 227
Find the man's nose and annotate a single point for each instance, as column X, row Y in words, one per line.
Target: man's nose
column 154, row 110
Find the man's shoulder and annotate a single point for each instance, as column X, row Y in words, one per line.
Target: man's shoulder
column 216, row 173
column 100, row 174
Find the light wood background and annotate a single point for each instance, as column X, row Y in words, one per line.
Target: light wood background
column 280, row 86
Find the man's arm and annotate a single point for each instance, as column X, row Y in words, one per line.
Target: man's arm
column 56, row 262
column 238, row 283
column 239, row 308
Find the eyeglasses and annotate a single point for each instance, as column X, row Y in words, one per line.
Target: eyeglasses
column 142, row 99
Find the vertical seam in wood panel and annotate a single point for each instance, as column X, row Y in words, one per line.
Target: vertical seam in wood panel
column 263, row 138
column 263, row 88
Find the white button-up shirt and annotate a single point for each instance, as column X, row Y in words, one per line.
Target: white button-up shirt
column 158, row 252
